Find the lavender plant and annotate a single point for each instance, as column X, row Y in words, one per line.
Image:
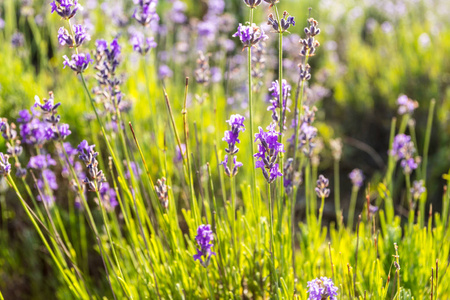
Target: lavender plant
column 125, row 219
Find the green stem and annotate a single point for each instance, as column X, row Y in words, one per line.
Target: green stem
column 321, row 213
column 337, row 193
column 250, row 108
column 427, row 139
column 351, row 210
column 41, row 235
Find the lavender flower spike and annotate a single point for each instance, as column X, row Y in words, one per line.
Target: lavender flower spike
column 204, row 239
column 357, row 178
column 406, row 105
column 322, row 189
column 285, row 22
column 320, row 289
column 5, row 166
column 252, row 3
column 250, row 35
column 65, row 8
column 79, row 62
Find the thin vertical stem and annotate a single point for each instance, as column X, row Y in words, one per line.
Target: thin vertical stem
column 427, row 139
column 337, row 193
column 250, row 108
column 351, row 210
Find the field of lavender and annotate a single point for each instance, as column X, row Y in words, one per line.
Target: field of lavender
column 224, row 149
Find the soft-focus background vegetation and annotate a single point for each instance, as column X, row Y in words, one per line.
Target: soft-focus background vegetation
column 371, row 52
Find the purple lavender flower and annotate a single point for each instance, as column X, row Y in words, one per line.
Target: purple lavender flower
column 49, row 178
column 165, row 72
column 252, row 3
column 322, row 189
column 403, row 149
column 24, row 116
column 250, row 35
column 406, row 105
column 63, row 131
column 65, row 8
column 79, row 62
column 275, row 100
column 310, row 44
column 162, row 191
column 141, row 44
column 285, row 22
column 268, row 150
column 408, row 165
column 323, row 288
column 232, row 136
column 145, row 12
column 357, row 178
column 236, row 166
column 417, row 189
column 80, row 35
column 109, row 196
column 96, row 177
column 180, row 153
column 41, row 162
column 204, row 239
column 5, row 166
column 17, row 40
column 177, row 14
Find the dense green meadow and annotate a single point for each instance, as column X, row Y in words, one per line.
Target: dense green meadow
column 206, row 181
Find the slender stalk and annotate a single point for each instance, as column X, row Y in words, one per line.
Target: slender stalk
column 188, row 161
column 351, row 210
column 108, row 144
column 427, row 139
column 41, row 235
column 337, row 193
column 233, row 214
column 321, row 213
column 250, row 108
column 272, row 249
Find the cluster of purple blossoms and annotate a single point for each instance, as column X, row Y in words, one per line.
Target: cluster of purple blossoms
column 403, row 149
column 17, row 40
column 357, row 178
column 46, row 183
column 109, row 196
column 203, row 71
column 164, row 72
column 162, row 191
column 108, row 92
column 204, row 239
column 232, row 137
column 177, row 13
column 5, row 166
column 211, row 25
column 13, row 144
column 66, row 9
column 250, row 35
column 145, row 11
column 79, row 37
column 54, row 131
column 252, row 3
column 322, row 288
column 306, row 132
column 78, row 62
column 406, row 105
column 268, row 149
column 141, row 44
column 288, row 178
column 310, row 44
column 87, row 154
column 417, row 189
column 322, row 189
column 274, row 91
column 283, row 25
